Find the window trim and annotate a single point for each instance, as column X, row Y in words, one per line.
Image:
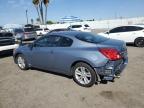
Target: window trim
column 58, row 42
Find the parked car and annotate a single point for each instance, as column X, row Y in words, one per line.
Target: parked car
column 7, row 42
column 87, row 57
column 2, row 30
column 41, row 31
column 80, row 27
column 130, row 34
column 25, row 34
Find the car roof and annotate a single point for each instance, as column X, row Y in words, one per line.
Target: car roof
column 132, row 26
column 67, row 33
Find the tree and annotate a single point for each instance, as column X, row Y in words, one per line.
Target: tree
column 46, row 2
column 39, row 7
column 49, row 22
column 32, row 21
column 38, row 20
column 36, row 3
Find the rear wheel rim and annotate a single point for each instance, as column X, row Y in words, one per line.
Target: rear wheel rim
column 83, row 75
column 140, row 42
column 21, row 62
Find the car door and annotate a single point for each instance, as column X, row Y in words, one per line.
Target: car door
column 62, row 54
column 42, row 53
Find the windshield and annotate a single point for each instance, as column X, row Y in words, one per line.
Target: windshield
column 91, row 38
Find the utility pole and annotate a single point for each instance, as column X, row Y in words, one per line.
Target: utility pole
column 27, row 16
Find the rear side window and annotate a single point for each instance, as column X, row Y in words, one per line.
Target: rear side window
column 76, row 26
column 91, row 38
column 65, row 42
column 134, row 28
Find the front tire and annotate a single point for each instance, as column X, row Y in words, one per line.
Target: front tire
column 139, row 42
column 84, row 75
column 21, row 62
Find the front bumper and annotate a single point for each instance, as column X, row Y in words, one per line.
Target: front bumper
column 8, row 47
column 112, row 69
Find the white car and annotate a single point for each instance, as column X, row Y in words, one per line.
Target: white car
column 7, row 42
column 42, row 31
column 80, row 27
column 129, row 34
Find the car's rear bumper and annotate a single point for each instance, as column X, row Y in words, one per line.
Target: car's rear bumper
column 112, row 69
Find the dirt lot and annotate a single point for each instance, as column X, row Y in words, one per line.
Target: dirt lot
column 37, row 89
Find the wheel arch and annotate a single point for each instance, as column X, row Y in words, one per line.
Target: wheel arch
column 16, row 57
column 80, row 61
column 138, row 38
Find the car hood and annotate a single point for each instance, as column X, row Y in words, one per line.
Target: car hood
column 113, row 43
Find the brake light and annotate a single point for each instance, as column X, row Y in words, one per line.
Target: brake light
column 110, row 53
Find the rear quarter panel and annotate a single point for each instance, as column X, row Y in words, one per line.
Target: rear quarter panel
column 65, row 57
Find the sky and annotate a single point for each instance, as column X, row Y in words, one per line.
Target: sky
column 13, row 11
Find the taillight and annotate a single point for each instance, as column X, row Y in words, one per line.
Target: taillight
column 110, row 53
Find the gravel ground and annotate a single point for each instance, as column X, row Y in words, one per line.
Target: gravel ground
column 38, row 89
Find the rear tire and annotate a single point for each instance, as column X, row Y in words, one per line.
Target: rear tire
column 84, row 75
column 21, row 62
column 139, row 42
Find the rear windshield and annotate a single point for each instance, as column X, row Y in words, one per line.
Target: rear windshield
column 28, row 29
column 91, row 38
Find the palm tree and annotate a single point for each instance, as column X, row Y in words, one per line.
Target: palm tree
column 41, row 10
column 46, row 2
column 36, row 3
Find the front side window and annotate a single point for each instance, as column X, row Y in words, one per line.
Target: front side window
column 117, row 30
column 54, row 41
column 41, row 42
